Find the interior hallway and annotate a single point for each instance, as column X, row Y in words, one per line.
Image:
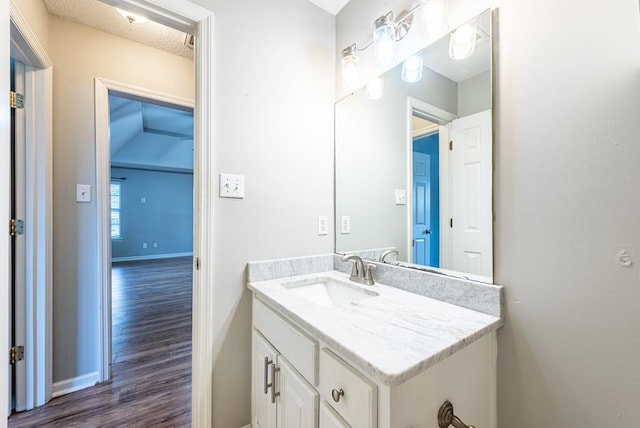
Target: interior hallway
column 151, row 371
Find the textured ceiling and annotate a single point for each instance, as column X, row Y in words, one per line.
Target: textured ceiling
column 95, row 14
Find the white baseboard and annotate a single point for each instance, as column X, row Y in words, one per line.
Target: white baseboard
column 247, row 426
column 150, row 257
column 74, row 384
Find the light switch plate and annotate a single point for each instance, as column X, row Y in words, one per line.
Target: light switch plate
column 231, row 186
column 345, row 225
column 401, row 197
column 83, row 193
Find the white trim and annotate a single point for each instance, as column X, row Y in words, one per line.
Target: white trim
column 32, row 51
column 200, row 20
column 39, row 189
column 103, row 181
column 150, row 257
column 247, row 426
column 68, row 386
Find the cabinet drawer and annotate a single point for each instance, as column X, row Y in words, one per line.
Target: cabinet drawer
column 299, row 349
column 359, row 403
column 329, row 418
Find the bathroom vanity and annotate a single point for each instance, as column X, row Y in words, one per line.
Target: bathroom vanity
column 329, row 352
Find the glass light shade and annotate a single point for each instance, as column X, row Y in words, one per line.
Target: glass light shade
column 374, row 89
column 462, row 43
column 350, row 72
column 384, row 42
column 131, row 17
column 434, row 17
column 412, row 69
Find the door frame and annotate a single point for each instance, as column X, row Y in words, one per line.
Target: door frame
column 37, row 316
column 102, row 88
column 191, row 18
column 440, row 117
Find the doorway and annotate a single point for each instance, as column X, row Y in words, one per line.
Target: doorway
column 426, row 196
column 151, row 229
column 185, row 16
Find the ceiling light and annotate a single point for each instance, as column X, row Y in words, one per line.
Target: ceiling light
column 349, row 65
column 462, row 42
column 374, row 89
column 132, row 17
column 412, row 69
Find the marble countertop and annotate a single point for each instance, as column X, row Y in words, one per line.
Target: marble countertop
column 392, row 337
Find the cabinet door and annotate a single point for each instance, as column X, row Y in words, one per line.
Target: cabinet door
column 298, row 401
column 263, row 411
column 329, row 418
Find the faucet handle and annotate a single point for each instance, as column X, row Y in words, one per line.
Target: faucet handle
column 368, row 274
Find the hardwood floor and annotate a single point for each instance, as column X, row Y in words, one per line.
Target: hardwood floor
column 151, row 370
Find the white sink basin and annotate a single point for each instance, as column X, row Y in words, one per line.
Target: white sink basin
column 328, row 291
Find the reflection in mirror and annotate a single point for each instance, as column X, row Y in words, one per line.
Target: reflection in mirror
column 413, row 160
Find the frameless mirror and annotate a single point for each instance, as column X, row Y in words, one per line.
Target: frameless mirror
column 413, row 160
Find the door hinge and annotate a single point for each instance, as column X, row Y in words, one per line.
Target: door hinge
column 16, row 227
column 451, row 223
column 451, row 145
column 197, row 263
column 16, row 100
column 16, row 353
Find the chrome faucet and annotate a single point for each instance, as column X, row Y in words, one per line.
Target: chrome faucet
column 386, row 253
column 361, row 272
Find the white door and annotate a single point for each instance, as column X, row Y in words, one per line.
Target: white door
column 471, row 194
column 18, row 242
column 298, row 401
column 264, row 360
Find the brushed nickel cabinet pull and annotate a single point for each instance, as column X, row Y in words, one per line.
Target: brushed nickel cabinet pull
column 274, row 394
column 336, row 394
column 267, row 385
column 447, row 418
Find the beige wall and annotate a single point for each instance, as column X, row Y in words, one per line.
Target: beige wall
column 566, row 201
column 36, row 14
column 79, row 55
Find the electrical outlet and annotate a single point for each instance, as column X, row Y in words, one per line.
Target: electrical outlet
column 401, row 197
column 143, row 200
column 155, row 245
column 231, row 186
column 345, row 225
column 144, row 245
column 323, row 225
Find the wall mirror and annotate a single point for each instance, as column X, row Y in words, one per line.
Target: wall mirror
column 413, row 160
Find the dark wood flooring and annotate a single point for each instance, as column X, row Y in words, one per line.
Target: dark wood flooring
column 151, row 371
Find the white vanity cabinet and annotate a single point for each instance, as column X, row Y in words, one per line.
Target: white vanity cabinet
column 310, row 384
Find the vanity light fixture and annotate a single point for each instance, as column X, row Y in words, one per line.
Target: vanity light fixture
column 131, row 17
column 462, row 42
column 375, row 88
column 386, row 32
column 434, row 17
column 349, row 65
column 412, row 68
